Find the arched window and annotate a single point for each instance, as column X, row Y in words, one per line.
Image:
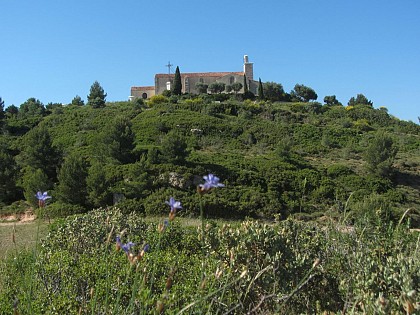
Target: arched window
column 231, row 80
column 144, row 96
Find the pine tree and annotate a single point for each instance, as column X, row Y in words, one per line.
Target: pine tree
column 117, row 141
column 34, row 180
column 8, row 173
column 260, row 90
column 38, row 152
column 72, row 181
column 97, row 185
column 177, row 87
column 97, row 96
column 1, row 109
column 77, row 101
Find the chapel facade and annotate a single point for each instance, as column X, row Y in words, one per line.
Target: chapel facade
column 164, row 81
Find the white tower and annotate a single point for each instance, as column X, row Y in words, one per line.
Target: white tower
column 248, row 68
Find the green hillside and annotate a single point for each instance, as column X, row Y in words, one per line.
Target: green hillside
column 277, row 159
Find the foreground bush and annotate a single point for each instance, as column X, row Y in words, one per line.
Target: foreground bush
column 287, row 267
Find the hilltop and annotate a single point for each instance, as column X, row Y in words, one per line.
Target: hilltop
column 277, row 159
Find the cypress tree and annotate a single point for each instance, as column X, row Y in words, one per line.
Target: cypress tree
column 245, row 85
column 177, row 87
column 260, row 90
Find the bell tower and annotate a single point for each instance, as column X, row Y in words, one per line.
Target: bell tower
column 248, row 68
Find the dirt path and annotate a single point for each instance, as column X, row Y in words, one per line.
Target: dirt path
column 24, row 218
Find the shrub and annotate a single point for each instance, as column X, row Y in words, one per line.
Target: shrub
column 156, row 99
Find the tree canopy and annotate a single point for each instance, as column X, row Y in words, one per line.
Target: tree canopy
column 201, row 87
column 273, row 91
column 77, row 101
column 360, row 99
column 260, row 90
column 177, row 86
column 303, row 93
column 97, row 96
column 380, row 155
column 217, row 87
column 331, row 100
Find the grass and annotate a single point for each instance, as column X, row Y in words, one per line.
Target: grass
column 25, row 236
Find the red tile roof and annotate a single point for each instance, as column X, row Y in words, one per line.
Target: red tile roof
column 138, row 88
column 198, row 74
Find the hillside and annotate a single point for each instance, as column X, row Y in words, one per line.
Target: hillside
column 276, row 159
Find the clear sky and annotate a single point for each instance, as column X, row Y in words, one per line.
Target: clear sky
column 54, row 50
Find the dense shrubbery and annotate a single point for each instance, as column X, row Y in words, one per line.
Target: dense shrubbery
column 129, row 150
column 286, row 267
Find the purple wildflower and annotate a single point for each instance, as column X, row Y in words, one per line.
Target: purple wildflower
column 211, row 181
column 141, row 253
column 42, row 197
column 126, row 247
column 173, row 204
column 119, row 244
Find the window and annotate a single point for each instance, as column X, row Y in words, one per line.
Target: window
column 231, row 80
column 144, row 96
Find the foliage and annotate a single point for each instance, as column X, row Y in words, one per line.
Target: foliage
column 236, row 87
column 217, row 87
column 285, row 267
column 32, row 107
column 97, row 96
column 38, row 152
column 246, row 90
column 33, row 180
column 11, row 110
column 77, row 101
column 8, row 175
column 97, row 185
column 380, row 155
column 156, row 99
column 72, row 188
column 359, row 100
column 177, row 86
column 174, row 149
column 260, row 90
column 2, row 113
column 331, row 100
column 117, row 141
column 273, row 91
column 201, row 87
column 302, row 93
column 264, row 149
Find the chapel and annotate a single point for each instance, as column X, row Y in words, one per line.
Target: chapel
column 164, row 81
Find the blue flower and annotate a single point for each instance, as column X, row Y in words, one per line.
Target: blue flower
column 173, row 204
column 42, row 196
column 211, row 181
column 126, row 247
column 119, row 244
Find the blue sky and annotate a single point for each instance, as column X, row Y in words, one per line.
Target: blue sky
column 54, row 50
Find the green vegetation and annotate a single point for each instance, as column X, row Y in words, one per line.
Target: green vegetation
column 286, row 267
column 177, row 87
column 266, row 151
column 328, row 198
column 97, row 96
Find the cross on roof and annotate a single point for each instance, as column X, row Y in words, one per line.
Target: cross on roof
column 169, row 65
